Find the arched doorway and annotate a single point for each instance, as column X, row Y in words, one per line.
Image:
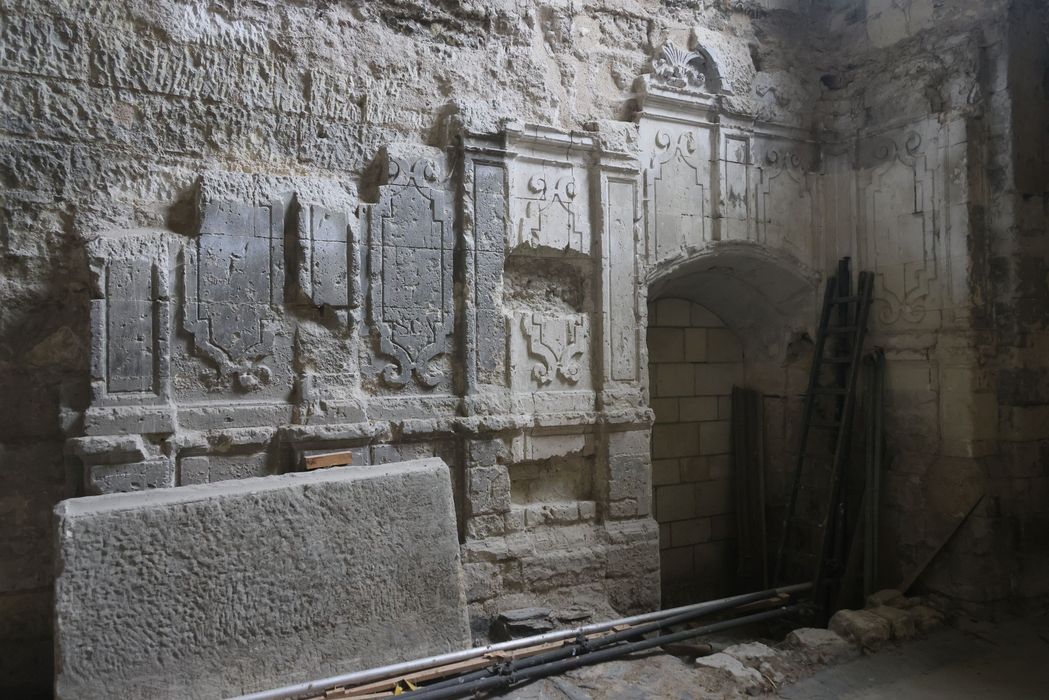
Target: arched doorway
column 734, row 316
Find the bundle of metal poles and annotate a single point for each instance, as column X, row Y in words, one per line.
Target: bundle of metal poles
column 498, row 666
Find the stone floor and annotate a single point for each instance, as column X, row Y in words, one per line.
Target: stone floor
column 968, row 660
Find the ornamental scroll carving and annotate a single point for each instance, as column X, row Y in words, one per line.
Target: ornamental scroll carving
column 559, row 344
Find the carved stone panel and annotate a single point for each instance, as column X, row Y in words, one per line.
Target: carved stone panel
column 677, row 177
column 130, row 322
column 736, row 201
column 234, row 280
column 324, row 242
column 558, row 346
column 411, row 245
column 898, row 229
column 621, row 279
column 551, row 208
column 787, row 217
column 489, row 227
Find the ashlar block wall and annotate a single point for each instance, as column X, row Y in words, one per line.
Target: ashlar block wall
column 694, row 361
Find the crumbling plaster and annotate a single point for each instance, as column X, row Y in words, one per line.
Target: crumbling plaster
column 129, row 124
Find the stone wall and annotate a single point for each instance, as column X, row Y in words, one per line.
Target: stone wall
column 693, row 363
column 232, row 234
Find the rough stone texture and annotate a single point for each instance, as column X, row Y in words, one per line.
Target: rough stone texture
column 215, row 590
column 220, row 226
column 888, row 596
column 861, row 627
column 750, row 680
column 901, row 622
column 819, row 646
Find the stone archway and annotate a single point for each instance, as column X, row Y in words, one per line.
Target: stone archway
column 737, row 314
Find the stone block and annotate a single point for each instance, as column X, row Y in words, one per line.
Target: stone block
column 887, row 596
column 750, row 680
column 666, row 410
column 702, row 317
column 925, row 618
column 714, row 497
column 688, row 532
column 665, row 471
column 699, row 408
column 723, row 346
column 819, row 646
column 714, row 438
column 676, row 564
column 673, row 312
column 488, row 490
column 675, row 440
column 861, row 627
column 137, row 476
column 675, row 503
column 716, row 379
column 695, row 345
column 666, row 345
column 900, row 621
column 673, row 379
column 245, row 585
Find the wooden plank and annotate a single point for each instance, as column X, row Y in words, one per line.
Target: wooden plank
column 329, row 459
column 419, row 677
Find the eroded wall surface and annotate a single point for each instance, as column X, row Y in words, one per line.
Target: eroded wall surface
column 235, row 233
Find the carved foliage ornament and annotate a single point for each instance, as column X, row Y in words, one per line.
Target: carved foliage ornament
column 679, row 68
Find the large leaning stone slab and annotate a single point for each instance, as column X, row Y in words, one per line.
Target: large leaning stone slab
column 215, row 590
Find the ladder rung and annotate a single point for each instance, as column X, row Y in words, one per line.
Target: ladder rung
column 833, row 391
column 843, row 329
column 846, row 300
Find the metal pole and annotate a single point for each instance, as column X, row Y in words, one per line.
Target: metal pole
column 391, row 671
column 587, row 659
column 581, row 645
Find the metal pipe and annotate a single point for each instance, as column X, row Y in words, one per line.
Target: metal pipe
column 406, row 667
column 587, row 659
column 582, row 644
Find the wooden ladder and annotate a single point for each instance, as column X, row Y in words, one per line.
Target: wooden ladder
column 847, row 327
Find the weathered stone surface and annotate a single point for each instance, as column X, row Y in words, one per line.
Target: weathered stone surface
column 861, row 627
column 750, row 680
column 820, row 646
column 208, row 591
column 901, row 622
column 888, row 596
column 925, row 618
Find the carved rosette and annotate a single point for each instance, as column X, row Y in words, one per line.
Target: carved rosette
column 410, row 261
